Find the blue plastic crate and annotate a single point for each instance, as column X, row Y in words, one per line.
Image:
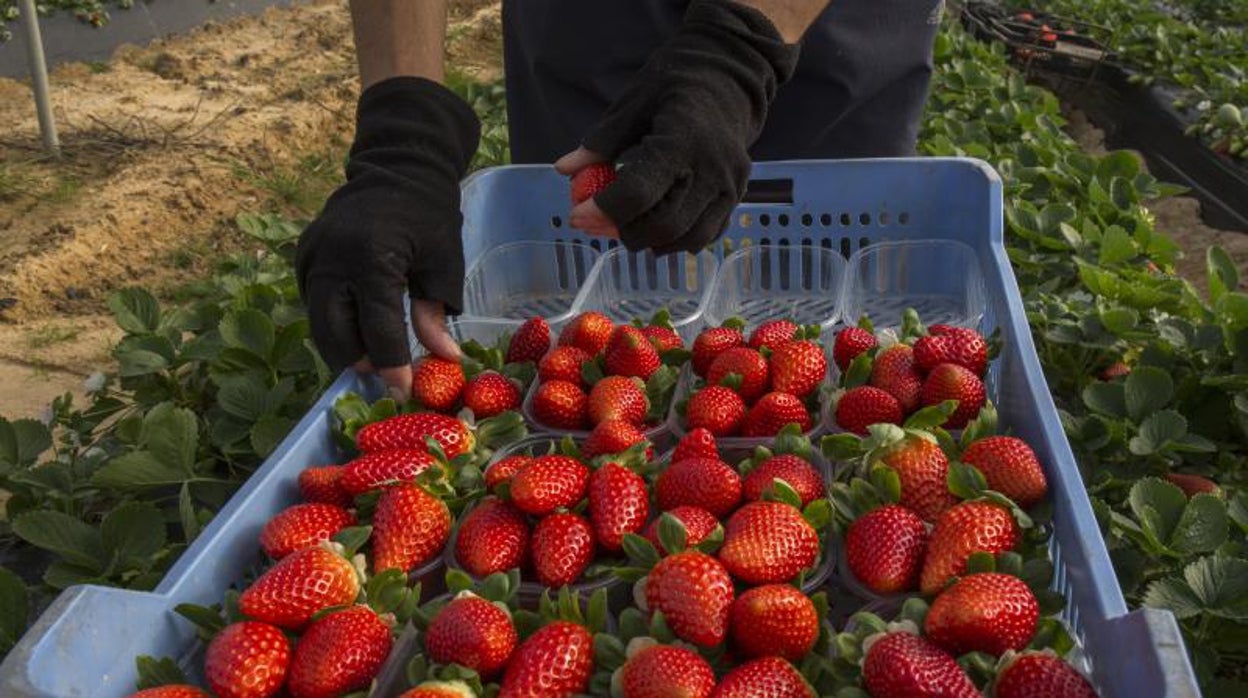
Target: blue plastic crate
column 85, row 644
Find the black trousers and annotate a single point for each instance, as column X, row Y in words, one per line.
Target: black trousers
column 858, row 91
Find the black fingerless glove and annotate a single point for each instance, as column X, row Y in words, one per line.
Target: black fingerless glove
column 681, row 133
column 393, row 227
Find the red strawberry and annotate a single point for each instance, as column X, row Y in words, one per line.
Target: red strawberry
column 987, row 612
column 563, row 364
column 695, row 594
column 437, row 383
column 765, row 677
column 698, row 522
column 893, row 371
column 591, row 180
column 629, row 353
column 373, row 469
column 557, row 660
column 1191, row 485
column 1041, row 675
column 663, row 671
column 340, row 653
column 924, row 473
column 321, row 484
column 902, row 665
column 698, row 443
column 618, row 398
column 613, row 436
column 302, row 525
column 549, row 483
column 490, row 393
column 793, row 470
column 663, row 338
column 503, row 470
column 711, row 343
column 768, row 542
column 865, row 405
column 473, row 633
column 410, row 528
column 964, row 529
column 1115, row 370
column 797, row 368
column 850, row 342
column 589, row 331
column 716, row 409
column 619, row 503
column 1010, row 467
column 952, row 345
column 531, row 341
column 562, row 547
column 411, row 431
column 773, row 412
column 772, row 334
column 440, row 689
column 701, row 482
column 299, row 585
column 493, row 537
column 247, row 660
column 172, row 691
column 774, row 619
column 560, row 405
column 953, row 382
column 745, row 363
column 884, row 548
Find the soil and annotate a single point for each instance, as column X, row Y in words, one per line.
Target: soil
column 165, row 144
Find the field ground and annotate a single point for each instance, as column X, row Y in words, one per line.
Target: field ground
column 166, row 144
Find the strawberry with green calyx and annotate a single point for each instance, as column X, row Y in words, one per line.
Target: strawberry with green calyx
column 662, row 334
column 248, row 659
column 776, row 619
column 884, row 542
column 788, row 460
column 481, row 360
column 690, row 589
column 410, row 527
column 322, row 484
column 743, row 370
column 530, row 342
column 953, row 382
column 779, row 677
column 556, row 656
column 561, row 548
column 502, row 470
column 549, row 482
column 770, row 542
column 798, row 367
column 712, row 341
column 629, row 353
column 773, row 333
column 708, row 483
column 901, row 664
column 438, row 383
column 302, row 584
column 564, row 364
column 489, row 394
column 1009, row 466
column 1036, row 674
column 954, row 345
column 862, row 406
column 342, row 651
column 469, row 633
column 848, row 645
column 654, row 670
column 619, row 503
column 559, row 404
column 302, row 525
column 374, row 469
column 682, row 527
column 971, row 527
column 716, row 408
column 773, row 412
column 893, row 371
column 163, row 678
column 618, row 398
column 590, row 331
column 492, row 537
column 914, row 455
column 379, row 427
column 985, row 612
column 852, row 343
column 698, row 443
column 614, row 436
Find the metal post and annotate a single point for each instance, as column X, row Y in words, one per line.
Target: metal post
column 39, row 78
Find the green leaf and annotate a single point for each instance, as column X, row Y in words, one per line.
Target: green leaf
column 135, row 310
column 1237, row 509
column 158, row 672
column 22, row 441
column 887, row 484
column 859, row 371
column 268, row 432
column 1147, row 390
column 1203, row 526
column 1106, row 398
column 249, row 329
column 187, row 515
column 243, row 398
column 75, row 541
column 1175, row 595
column 1223, row 274
column 1158, row 505
column 640, row 551
column 1221, row 584
column 981, row 562
column 966, row 481
column 672, row 534
column 133, row 533
column 932, row 416
column 172, row 435
column 138, row 470
column 1119, row 163
column 1117, row 247
column 140, row 362
column 1157, row 430
column 14, row 609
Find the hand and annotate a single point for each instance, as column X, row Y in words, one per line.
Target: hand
column 680, row 135
column 394, row 227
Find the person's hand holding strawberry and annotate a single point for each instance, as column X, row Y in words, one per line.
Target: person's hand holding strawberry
column 680, row 136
